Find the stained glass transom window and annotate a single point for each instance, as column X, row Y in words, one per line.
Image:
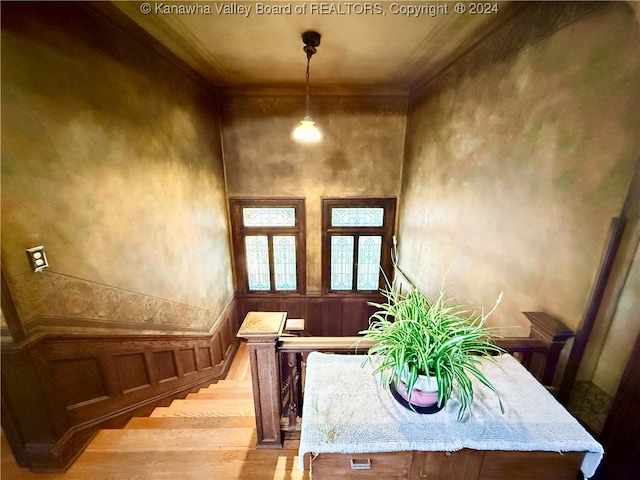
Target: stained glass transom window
column 257, row 254
column 284, row 261
column 357, row 217
column 342, row 262
column 269, row 217
column 369, row 248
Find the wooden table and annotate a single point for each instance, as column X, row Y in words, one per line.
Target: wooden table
column 353, row 427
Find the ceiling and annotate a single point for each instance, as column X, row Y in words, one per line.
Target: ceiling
column 388, row 50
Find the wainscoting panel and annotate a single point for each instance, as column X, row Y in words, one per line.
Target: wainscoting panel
column 329, row 316
column 204, row 358
column 132, row 371
column 188, row 360
column 165, row 365
column 59, row 390
column 81, row 381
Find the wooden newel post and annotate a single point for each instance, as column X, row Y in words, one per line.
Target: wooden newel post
column 555, row 334
column 261, row 330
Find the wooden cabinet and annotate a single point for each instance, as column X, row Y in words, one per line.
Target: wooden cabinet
column 390, row 466
column 343, row 395
column 462, row 465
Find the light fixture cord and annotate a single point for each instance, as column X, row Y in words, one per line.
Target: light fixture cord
column 308, row 61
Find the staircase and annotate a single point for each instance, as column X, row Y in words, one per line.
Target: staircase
column 209, row 435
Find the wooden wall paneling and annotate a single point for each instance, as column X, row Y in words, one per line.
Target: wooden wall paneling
column 246, row 305
column 223, row 340
column 236, row 316
column 332, row 317
column 228, row 337
column 353, row 312
column 356, row 315
column 314, row 317
column 58, row 390
column 54, row 402
column 24, row 402
column 76, row 379
column 217, row 350
column 132, row 371
column 11, row 429
column 268, row 305
column 329, row 315
column 80, row 381
column 112, row 382
column 164, row 362
column 42, row 423
column 178, row 368
column 148, row 358
column 187, row 358
column 296, row 307
column 204, row 358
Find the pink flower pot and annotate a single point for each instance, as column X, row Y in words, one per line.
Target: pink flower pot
column 418, row 397
column 424, row 396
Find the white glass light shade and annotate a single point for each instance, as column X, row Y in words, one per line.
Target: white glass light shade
column 307, row 131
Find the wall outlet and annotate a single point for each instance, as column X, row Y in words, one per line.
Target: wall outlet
column 37, row 258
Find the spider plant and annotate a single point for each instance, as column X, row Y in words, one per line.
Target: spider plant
column 414, row 336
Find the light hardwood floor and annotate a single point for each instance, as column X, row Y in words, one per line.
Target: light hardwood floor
column 210, row 435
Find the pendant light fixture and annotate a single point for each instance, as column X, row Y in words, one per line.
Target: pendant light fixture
column 306, row 131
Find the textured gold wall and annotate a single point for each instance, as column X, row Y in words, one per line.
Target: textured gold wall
column 360, row 155
column 111, row 159
column 519, row 156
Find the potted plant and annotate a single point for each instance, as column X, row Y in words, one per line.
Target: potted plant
column 417, row 341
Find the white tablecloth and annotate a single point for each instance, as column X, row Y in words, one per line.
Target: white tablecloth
column 346, row 410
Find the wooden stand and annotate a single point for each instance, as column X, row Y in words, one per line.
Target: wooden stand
column 463, row 465
column 373, row 437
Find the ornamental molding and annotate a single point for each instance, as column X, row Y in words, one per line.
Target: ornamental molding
column 53, row 298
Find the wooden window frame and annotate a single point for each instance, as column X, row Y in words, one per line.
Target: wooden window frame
column 386, row 231
column 239, row 231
